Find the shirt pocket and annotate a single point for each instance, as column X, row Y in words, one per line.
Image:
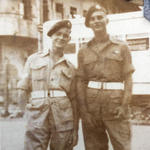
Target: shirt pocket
column 39, row 71
column 66, row 78
column 113, row 63
column 89, row 63
column 114, row 57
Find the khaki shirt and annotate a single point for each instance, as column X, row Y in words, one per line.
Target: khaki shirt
column 108, row 62
column 40, row 73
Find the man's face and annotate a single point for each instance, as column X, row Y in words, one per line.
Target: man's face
column 98, row 21
column 61, row 37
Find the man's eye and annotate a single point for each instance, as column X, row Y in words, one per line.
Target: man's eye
column 99, row 17
column 58, row 33
column 65, row 35
column 92, row 19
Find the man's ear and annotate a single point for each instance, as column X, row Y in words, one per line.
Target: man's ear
column 69, row 38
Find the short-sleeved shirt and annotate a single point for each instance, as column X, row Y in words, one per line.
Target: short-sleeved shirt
column 40, row 73
column 108, row 62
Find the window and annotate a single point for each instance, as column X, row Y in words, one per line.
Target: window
column 138, row 42
column 73, row 11
column 59, row 9
column 45, row 11
column 27, row 9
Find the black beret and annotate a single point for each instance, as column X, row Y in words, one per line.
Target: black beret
column 91, row 11
column 59, row 25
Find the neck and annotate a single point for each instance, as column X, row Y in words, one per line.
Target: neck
column 101, row 37
column 58, row 52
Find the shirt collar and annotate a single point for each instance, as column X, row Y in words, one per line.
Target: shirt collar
column 48, row 52
column 45, row 53
column 60, row 60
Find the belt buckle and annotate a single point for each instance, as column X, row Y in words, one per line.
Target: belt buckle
column 48, row 94
column 102, row 85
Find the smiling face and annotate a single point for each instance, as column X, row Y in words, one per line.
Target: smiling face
column 98, row 21
column 60, row 38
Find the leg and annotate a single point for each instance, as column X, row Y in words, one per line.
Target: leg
column 61, row 141
column 118, row 128
column 36, row 138
column 120, row 134
column 38, row 131
column 96, row 138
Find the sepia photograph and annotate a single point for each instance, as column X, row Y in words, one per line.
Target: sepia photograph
column 74, row 74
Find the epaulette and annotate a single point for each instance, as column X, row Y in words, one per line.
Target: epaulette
column 32, row 56
column 117, row 41
column 70, row 64
column 44, row 53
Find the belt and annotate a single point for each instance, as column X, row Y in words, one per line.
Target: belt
column 106, row 85
column 51, row 93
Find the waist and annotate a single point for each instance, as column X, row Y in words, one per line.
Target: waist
column 50, row 93
column 106, row 85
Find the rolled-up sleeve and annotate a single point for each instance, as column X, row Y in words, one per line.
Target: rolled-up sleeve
column 128, row 67
column 24, row 82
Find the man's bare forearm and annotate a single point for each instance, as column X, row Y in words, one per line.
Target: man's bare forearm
column 22, row 99
column 82, row 95
column 127, row 90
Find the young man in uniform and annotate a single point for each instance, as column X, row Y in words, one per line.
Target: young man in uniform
column 104, row 86
column 51, row 111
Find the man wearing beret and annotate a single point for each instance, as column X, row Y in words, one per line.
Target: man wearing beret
column 51, row 111
column 104, row 86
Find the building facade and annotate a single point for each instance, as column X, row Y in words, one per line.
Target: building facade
column 19, row 35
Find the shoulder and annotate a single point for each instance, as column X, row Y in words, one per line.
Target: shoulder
column 71, row 67
column 122, row 45
column 34, row 56
column 118, row 42
column 37, row 60
column 83, row 50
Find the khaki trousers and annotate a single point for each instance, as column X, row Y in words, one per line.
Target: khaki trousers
column 41, row 130
column 102, row 105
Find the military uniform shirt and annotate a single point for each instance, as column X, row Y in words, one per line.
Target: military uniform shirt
column 108, row 62
column 41, row 73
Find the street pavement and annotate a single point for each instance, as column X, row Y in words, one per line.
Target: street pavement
column 12, row 136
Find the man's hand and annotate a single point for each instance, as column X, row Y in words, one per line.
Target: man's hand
column 75, row 138
column 121, row 112
column 17, row 114
column 40, row 28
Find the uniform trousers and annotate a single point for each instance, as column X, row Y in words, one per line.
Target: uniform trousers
column 41, row 130
column 102, row 105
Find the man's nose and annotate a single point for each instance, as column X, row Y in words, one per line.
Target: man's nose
column 61, row 36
